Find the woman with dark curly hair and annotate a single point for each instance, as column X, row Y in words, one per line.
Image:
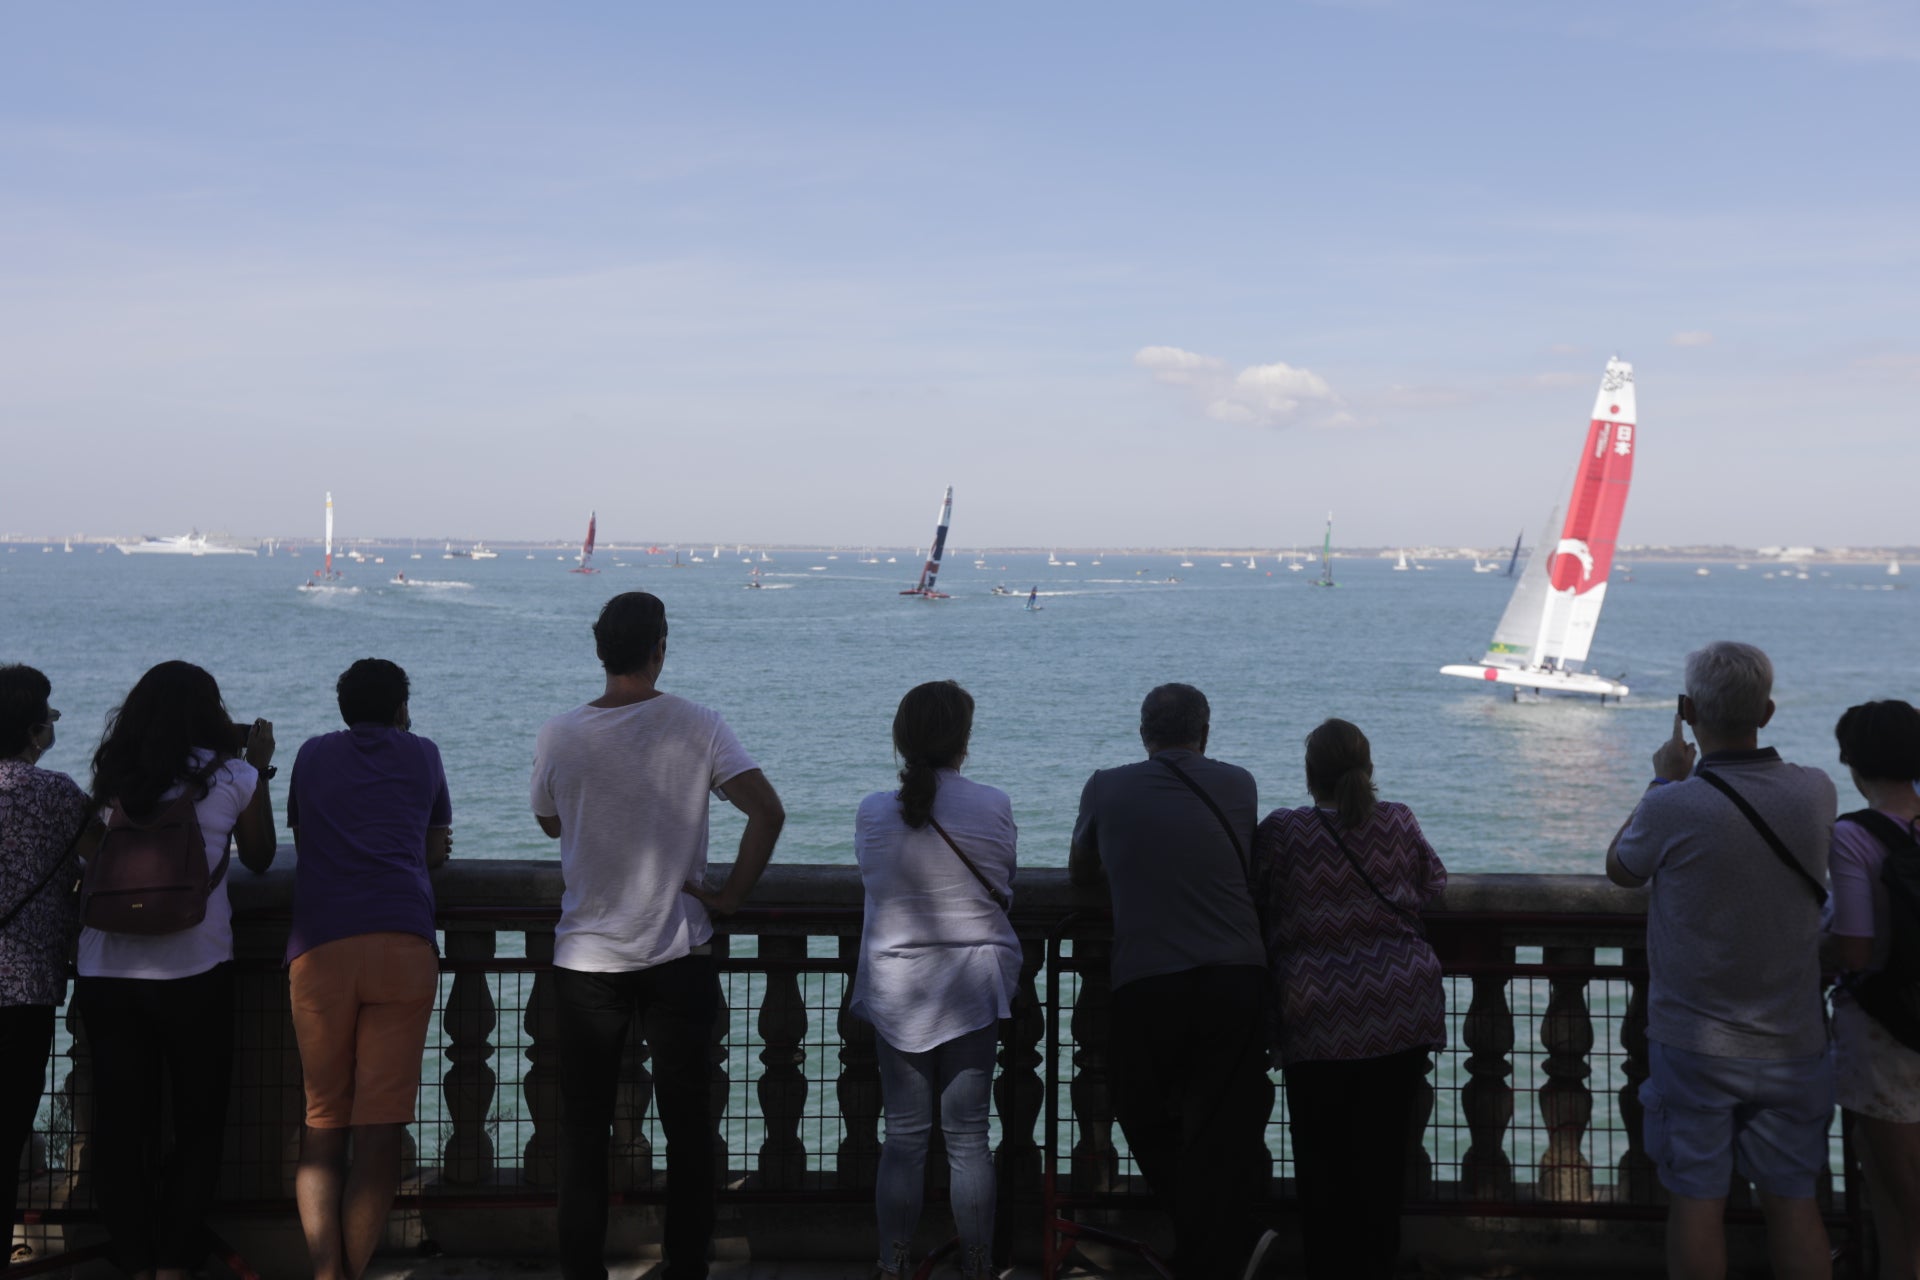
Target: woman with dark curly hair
column 40, row 816
column 158, row 1008
column 1876, row 1056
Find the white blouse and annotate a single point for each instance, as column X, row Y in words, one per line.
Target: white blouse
column 938, row 958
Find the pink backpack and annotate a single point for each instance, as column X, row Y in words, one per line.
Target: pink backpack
column 150, row 877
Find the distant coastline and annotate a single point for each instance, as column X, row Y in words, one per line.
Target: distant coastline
column 1630, row 554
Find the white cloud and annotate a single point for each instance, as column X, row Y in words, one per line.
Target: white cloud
column 1692, row 338
column 1260, row 395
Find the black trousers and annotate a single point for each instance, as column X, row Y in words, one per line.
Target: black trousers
column 677, row 1003
column 26, row 1036
column 155, row 1039
column 1352, row 1127
column 1191, row 1093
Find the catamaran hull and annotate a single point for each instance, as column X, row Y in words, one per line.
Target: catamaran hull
column 1579, row 682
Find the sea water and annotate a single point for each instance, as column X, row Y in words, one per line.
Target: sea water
column 809, row 671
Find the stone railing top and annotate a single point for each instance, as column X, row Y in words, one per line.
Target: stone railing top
column 517, row 885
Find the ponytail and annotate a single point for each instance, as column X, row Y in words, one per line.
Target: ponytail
column 930, row 732
column 1340, row 771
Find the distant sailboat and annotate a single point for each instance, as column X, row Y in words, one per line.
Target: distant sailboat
column 1893, row 568
column 1033, row 601
column 1053, row 559
column 1401, row 566
column 930, row 571
column 586, row 548
column 325, row 573
column 1514, row 563
column 1545, row 634
column 1326, row 557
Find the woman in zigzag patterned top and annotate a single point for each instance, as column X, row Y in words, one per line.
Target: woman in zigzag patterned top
column 1340, row 884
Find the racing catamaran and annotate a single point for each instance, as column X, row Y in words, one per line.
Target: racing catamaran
column 930, row 571
column 586, row 548
column 1326, row 558
column 324, row 575
column 1543, row 637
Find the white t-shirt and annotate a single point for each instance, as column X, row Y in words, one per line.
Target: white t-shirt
column 630, row 786
column 195, row 950
column 938, row 958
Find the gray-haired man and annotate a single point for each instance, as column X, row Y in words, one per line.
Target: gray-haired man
column 1735, row 852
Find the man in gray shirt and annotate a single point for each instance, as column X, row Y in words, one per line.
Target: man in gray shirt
column 1170, row 837
column 1738, row 1075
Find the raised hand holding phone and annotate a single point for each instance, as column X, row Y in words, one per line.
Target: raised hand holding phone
column 1674, row 759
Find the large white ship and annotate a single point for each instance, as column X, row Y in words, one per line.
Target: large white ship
column 186, row 544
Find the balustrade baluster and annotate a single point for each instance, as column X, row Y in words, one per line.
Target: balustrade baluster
column 468, row 1086
column 1095, row 1161
column 858, row 1088
column 1487, row 1097
column 783, row 1085
column 1018, row 1093
column 631, row 1153
column 1638, row 1179
column 1419, row 1184
column 540, row 1086
column 78, row 1090
column 721, row 1096
column 1566, row 1101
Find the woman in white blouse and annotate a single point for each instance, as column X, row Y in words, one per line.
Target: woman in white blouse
column 938, row 965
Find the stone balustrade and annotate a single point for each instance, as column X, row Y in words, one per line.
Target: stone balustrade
column 1531, row 1115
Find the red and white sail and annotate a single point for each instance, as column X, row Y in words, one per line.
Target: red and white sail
column 1548, row 626
column 930, row 571
column 586, row 548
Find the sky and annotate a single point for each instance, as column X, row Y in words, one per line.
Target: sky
column 1122, row 274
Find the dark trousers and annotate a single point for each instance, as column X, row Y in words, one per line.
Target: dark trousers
column 26, row 1035
column 677, row 1003
column 153, row 1039
column 1192, row 1095
column 1352, row 1126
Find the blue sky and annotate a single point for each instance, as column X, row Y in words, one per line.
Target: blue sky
column 779, row 273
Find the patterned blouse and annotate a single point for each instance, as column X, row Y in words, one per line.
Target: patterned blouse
column 1354, row 978
column 39, row 817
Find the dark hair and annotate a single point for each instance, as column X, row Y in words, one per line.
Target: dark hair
column 23, row 706
column 172, row 711
column 1340, row 769
column 630, row 627
column 930, row 731
column 372, row 690
column 1881, row 740
column 1173, row 715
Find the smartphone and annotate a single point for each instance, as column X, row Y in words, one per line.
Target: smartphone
column 242, row 733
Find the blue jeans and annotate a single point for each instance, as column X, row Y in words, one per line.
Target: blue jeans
column 957, row 1077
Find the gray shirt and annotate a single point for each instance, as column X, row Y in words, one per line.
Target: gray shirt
column 1733, row 937
column 1180, row 896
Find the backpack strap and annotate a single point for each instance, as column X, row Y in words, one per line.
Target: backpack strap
column 1774, row 842
column 1885, row 829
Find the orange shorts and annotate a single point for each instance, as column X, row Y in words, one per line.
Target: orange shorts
column 361, row 1006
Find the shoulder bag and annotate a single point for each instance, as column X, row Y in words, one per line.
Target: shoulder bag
column 1000, row 899
column 1412, row 918
column 1774, row 842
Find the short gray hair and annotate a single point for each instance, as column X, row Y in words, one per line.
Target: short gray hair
column 1173, row 715
column 1730, row 684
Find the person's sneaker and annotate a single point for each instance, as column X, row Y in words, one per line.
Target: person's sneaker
column 1257, row 1260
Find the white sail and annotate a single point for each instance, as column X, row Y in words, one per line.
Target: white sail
column 1517, row 638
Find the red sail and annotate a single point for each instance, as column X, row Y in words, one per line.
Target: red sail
column 1584, row 554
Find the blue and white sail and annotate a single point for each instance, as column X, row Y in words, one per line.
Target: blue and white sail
column 930, row 571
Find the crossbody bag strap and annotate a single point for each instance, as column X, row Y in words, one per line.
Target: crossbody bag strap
column 86, row 820
column 1774, row 842
column 1239, row 853
column 1411, row 917
column 1000, row 899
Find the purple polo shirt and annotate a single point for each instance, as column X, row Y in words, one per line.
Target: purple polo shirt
column 363, row 799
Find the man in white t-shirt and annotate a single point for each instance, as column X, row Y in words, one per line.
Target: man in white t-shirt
column 622, row 782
